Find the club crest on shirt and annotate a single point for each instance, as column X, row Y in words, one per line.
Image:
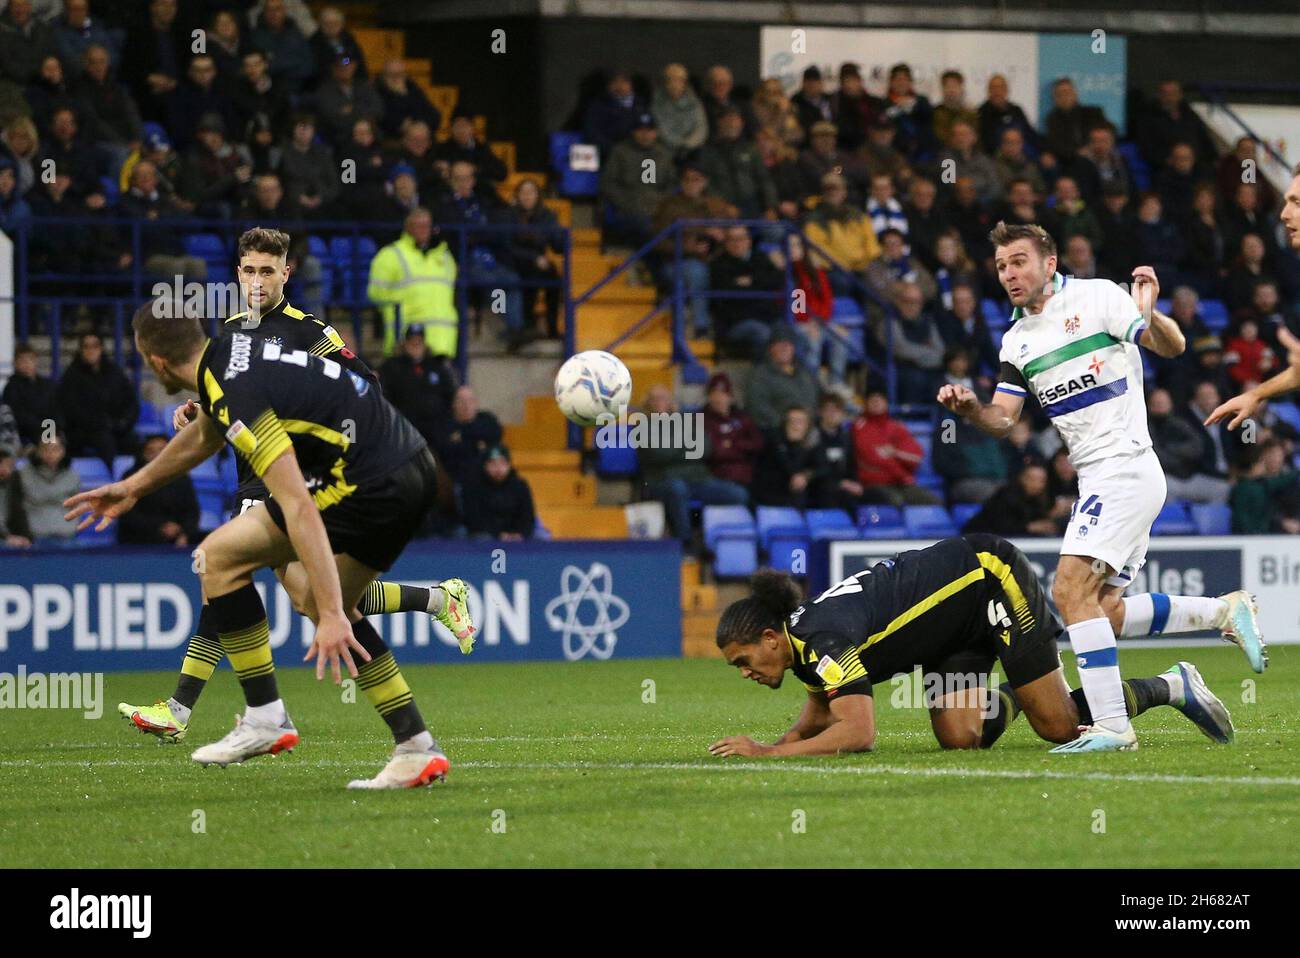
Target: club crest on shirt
column 1072, row 324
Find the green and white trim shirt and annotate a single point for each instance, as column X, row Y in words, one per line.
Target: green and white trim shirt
column 1079, row 357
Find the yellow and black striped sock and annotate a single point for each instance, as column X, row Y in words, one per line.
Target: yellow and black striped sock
column 1139, row 695
column 241, row 624
column 381, row 598
column 1002, row 711
column 382, row 681
column 202, row 657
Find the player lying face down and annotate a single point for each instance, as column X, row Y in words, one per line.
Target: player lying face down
column 951, row 609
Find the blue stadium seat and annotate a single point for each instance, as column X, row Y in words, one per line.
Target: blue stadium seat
column 618, row 459
column 830, row 524
column 727, row 521
column 108, row 185
column 152, row 420
column 91, row 471
column 206, row 477
column 1288, row 412
column 735, row 557
column 210, row 518
column 1136, row 164
column 963, row 512
column 928, row 522
column 89, row 538
column 208, row 246
column 1215, row 314
column 846, row 311
column 1173, row 521
column 581, row 183
column 781, row 531
column 881, row 522
column 931, row 481
column 995, row 314
column 121, row 464
column 1211, row 518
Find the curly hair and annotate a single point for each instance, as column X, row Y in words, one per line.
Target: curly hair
column 773, row 597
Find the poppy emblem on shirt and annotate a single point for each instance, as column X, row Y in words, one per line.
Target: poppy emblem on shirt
column 1072, row 325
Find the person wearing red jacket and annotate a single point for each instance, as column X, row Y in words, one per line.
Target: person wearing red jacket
column 1250, row 359
column 734, row 441
column 812, row 313
column 887, row 455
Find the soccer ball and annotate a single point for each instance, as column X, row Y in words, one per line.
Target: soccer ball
column 592, row 384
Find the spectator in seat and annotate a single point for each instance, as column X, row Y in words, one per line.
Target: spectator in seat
column 1250, row 269
column 1121, row 247
column 332, row 40
column 671, row 477
column 24, row 42
column 742, row 327
column 823, row 156
column 1178, row 447
column 20, row 145
column 697, row 242
column 952, row 107
column 1206, row 250
column 464, row 146
column 497, row 503
column 1020, row 448
column 403, row 101
column 774, row 112
column 465, row 436
column 201, row 94
column 1012, row 163
column 1249, row 357
column 292, row 61
column 310, row 175
column 154, row 58
column 110, row 115
column 1228, row 175
column 1246, row 215
column 71, row 247
column 15, row 212
column 972, row 220
column 1022, row 507
column 419, row 383
column 1079, row 261
column 926, row 221
column 998, row 112
column 156, row 148
column 973, row 465
column 843, row 232
column 883, row 209
column 1179, row 374
column 911, row 112
column 1021, row 206
column 76, row 32
column 964, row 326
column 679, row 114
column 953, row 268
column 416, row 151
column 812, row 323
column 98, row 403
column 963, row 158
column 1219, row 448
column 1178, row 178
column 369, row 192
column 529, row 253
column 417, row 274
column 14, row 531
column 719, row 99
column 1068, row 122
column 791, row 465
column 1171, row 121
column 487, row 262
column 735, row 169
column 734, row 440
column 226, row 45
column 629, row 200
column 881, row 156
column 855, row 110
column 1264, row 500
column 48, row 93
column 1100, row 164
column 32, row 397
column 836, row 486
column 887, row 456
column 782, row 163
column 1071, row 216
column 779, row 382
column 1062, row 482
column 343, row 98
column 46, row 480
column 896, row 265
column 611, row 117
column 151, row 200
column 68, row 152
column 918, row 346
column 1267, row 309
column 166, row 516
column 1159, row 237
column 401, row 196
column 215, row 171
column 811, row 103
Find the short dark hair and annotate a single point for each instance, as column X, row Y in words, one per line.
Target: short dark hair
column 952, row 75
column 167, row 332
column 1004, row 234
column 261, row 239
column 23, row 349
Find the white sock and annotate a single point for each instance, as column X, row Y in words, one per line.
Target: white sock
column 437, row 597
column 180, row 712
column 1177, row 689
column 1093, row 642
column 418, row 743
column 1155, row 613
column 272, row 713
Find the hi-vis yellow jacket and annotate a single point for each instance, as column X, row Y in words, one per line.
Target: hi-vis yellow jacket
column 423, row 285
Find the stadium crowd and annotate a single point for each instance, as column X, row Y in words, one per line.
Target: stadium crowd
column 898, row 191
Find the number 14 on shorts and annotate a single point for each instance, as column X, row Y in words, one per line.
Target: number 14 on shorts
column 1087, row 507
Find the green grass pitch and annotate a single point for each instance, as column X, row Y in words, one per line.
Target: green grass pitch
column 582, row 772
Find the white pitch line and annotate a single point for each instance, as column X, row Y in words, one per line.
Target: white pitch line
column 721, row 766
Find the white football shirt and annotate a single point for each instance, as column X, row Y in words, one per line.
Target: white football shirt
column 1079, row 358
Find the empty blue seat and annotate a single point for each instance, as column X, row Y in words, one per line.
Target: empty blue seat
column 846, row 311
column 318, row 248
column 830, row 524
column 1136, row 164
column 881, row 522
column 207, row 246
column 1215, row 314
column 121, row 464
column 91, row 471
column 1288, row 412
column 928, row 522
column 1173, row 520
column 1211, row 518
column 735, row 557
column 994, row 312
column 963, row 512
column 614, row 457
column 727, row 522
column 206, row 476
column 572, row 182
column 783, row 535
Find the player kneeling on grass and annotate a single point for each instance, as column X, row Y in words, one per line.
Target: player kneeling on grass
column 350, row 480
column 951, row 609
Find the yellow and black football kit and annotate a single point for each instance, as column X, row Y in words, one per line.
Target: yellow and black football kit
column 369, row 471
column 952, row 609
column 291, row 329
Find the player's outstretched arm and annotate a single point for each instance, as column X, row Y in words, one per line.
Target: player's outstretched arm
column 996, row 418
column 334, row 637
column 186, row 450
column 1162, row 334
column 852, row 729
